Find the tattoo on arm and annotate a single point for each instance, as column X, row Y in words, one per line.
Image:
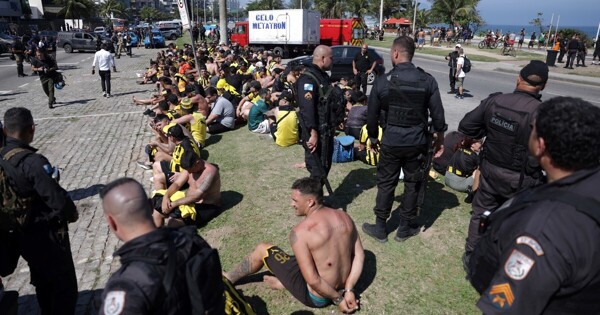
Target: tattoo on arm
column 241, row 270
column 206, row 183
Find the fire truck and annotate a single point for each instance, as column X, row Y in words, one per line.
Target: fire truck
column 342, row 31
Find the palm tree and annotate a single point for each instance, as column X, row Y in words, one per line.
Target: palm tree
column 358, row 8
column 76, row 9
column 452, row 11
column 110, row 8
column 330, row 8
column 423, row 18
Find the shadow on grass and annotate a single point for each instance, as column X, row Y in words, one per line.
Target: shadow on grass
column 347, row 191
column 368, row 274
column 213, row 139
column 303, row 312
column 436, row 201
column 258, row 304
column 230, row 199
column 82, row 193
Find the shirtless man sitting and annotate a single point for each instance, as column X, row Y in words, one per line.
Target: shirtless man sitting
column 328, row 255
column 200, row 203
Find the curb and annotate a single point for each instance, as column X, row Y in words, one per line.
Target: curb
column 508, row 70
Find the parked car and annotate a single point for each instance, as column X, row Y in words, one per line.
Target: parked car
column 82, row 41
column 171, row 33
column 100, row 30
column 7, row 40
column 159, row 40
column 134, row 39
column 342, row 62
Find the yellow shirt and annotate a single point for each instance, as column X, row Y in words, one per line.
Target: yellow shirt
column 198, row 128
column 287, row 127
column 372, row 158
column 175, row 165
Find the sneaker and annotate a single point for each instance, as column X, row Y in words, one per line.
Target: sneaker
column 108, row 95
column 143, row 165
column 147, row 112
column 104, row 94
column 456, row 96
column 461, row 97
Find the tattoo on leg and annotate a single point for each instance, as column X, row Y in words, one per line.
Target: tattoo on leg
column 241, row 270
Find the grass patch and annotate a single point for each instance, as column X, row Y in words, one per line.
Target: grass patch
column 387, row 43
column 423, row 275
column 185, row 39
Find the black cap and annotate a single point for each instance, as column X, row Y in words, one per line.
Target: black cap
column 286, row 95
column 535, row 73
column 176, row 132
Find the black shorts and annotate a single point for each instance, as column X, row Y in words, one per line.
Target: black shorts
column 204, row 212
column 287, row 271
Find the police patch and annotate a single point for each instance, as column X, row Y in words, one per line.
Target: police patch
column 518, row 265
column 114, row 302
column 308, row 96
column 501, row 296
column 308, row 87
column 533, row 244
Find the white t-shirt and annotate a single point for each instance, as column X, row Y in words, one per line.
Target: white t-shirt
column 461, row 61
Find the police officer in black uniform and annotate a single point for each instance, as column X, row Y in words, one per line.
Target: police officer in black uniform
column 541, row 251
column 362, row 65
column 44, row 237
column 407, row 94
column 315, row 117
column 452, row 58
column 506, row 166
column 149, row 280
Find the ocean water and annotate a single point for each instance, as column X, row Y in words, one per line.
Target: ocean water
column 590, row 31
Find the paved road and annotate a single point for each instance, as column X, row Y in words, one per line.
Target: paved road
column 95, row 140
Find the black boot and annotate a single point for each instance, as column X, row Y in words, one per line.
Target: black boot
column 377, row 230
column 406, row 230
column 470, row 195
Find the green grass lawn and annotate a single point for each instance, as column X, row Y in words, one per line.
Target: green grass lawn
column 423, row 275
column 387, row 43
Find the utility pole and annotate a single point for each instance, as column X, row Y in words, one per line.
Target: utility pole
column 415, row 16
column 223, row 22
column 204, row 10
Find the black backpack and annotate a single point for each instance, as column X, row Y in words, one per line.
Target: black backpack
column 467, row 65
column 14, row 208
column 202, row 273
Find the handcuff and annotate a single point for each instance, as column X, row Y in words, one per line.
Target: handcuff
column 342, row 293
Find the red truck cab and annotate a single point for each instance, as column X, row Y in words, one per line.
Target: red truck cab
column 342, row 32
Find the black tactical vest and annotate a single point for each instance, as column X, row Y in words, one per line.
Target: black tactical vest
column 407, row 101
column 508, row 128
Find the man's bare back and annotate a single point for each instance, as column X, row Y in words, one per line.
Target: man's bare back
column 207, row 181
column 330, row 236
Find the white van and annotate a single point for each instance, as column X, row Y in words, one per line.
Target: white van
column 169, row 24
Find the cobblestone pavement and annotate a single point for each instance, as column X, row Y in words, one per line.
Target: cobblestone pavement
column 93, row 140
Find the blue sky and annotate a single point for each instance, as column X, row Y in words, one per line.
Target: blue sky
column 520, row 12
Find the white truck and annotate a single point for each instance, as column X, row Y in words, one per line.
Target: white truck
column 285, row 32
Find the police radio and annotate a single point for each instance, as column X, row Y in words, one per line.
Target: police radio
column 484, row 221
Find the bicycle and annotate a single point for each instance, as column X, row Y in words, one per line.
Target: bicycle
column 509, row 50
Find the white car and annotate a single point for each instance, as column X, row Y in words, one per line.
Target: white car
column 100, row 30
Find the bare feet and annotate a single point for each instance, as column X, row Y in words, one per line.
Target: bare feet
column 300, row 165
column 273, row 283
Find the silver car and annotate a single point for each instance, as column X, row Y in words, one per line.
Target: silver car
column 171, row 33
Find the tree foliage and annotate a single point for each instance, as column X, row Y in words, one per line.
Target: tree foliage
column 149, row 14
column 111, row 8
column 265, row 5
column 455, row 12
column 538, row 21
column 296, row 4
column 76, row 9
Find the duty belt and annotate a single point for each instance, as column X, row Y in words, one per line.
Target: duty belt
column 454, row 171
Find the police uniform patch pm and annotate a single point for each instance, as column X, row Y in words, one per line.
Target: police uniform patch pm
column 308, row 96
column 501, row 296
column 533, row 244
column 308, row 87
column 114, row 302
column 518, row 265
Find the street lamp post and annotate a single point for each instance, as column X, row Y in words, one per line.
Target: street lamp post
column 415, row 17
column 204, row 10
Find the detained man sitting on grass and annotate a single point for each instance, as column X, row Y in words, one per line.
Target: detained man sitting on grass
column 257, row 119
column 194, row 197
column 328, row 254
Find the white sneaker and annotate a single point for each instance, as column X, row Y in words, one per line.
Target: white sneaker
column 104, row 94
column 108, row 95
